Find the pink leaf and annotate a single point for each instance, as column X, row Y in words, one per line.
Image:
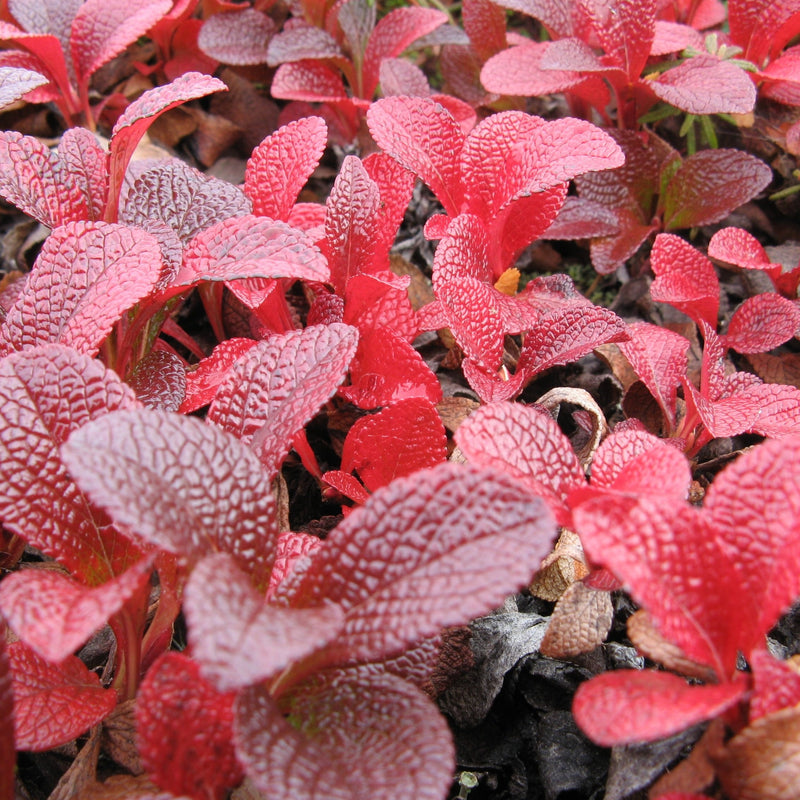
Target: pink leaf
column 29, row 178
column 84, row 164
column 16, row 82
column 203, row 381
column 485, row 24
column 396, row 32
column 709, row 185
column 303, row 42
column 183, row 198
column 53, row 704
column 351, row 223
column 237, row 37
column 55, row 615
column 705, row 84
column 626, row 30
column 397, row 564
column 659, row 357
column 685, row 279
column 346, row 485
column 251, row 247
column 526, row 443
column 280, row 166
column 292, row 548
column 102, row 29
column 386, row 369
column 236, row 637
column 777, row 409
column 762, row 323
column 86, row 276
column 139, row 115
column 739, row 247
column 355, row 734
column 777, row 685
column 627, row 707
column 178, row 483
column 189, row 754
column 398, row 440
column 424, row 138
column 46, row 393
column 280, row 384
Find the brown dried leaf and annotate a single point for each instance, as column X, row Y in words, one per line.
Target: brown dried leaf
column 81, row 772
column 784, row 368
column 565, row 565
column 119, row 737
column 763, row 761
column 454, row 410
column 653, row 645
column 696, row 772
column 580, row 622
column 125, row 787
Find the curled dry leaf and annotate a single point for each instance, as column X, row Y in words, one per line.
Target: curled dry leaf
column 580, row 622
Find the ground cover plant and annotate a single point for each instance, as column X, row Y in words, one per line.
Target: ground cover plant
column 433, row 432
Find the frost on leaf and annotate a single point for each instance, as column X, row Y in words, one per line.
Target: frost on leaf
column 183, row 198
column 55, row 615
column 30, row 179
column 685, row 279
column 280, row 384
column 348, row 734
column 54, row 703
column 86, row 276
column 47, row 393
column 397, row 564
column 184, row 731
column 709, row 185
column 280, row 166
column 251, row 247
column 398, row 440
column 237, row 37
column 178, row 483
column 237, row 638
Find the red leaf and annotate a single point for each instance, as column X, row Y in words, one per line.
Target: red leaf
column 54, row 703
column 303, row 42
column 397, row 564
column 754, row 506
column 159, row 380
column 203, row 382
column 183, row 198
column 738, row 246
column 627, row 707
column 280, row 384
column 685, row 279
column 16, row 82
column 351, row 223
column 709, row 185
column 280, row 166
column 398, row 440
column 240, row 37
column 102, row 29
column 82, row 162
column 237, row 638
column 626, row 30
column 778, row 409
column 139, row 115
column 56, row 615
column 86, row 276
column 185, row 731
column 46, row 393
column 351, row 734
column 30, row 179
column 178, row 483
column 660, row 358
column 372, row 301
column 762, row 323
column 8, row 755
column 425, row 138
column 485, row 24
column 251, row 247
column 705, row 84
column 526, row 443
column 777, row 685
column 292, row 547
column 564, row 336
column 312, row 81
column 396, row 32
column 386, row 369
